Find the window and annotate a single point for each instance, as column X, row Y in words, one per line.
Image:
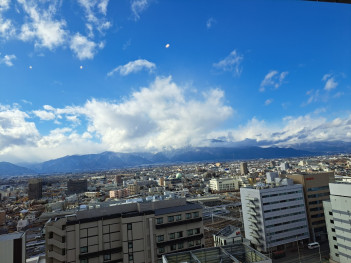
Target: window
column 332, row 221
column 173, row 247
column 130, row 245
column 197, row 231
column 196, row 214
column 51, row 234
column 330, row 213
column 333, row 229
column 129, row 226
column 161, row 250
column 107, row 257
column 159, row 220
column 84, row 260
column 335, row 246
column 334, row 238
column 83, row 249
column 180, row 245
column 178, row 217
column 172, row 236
column 179, row 234
column 190, row 232
column 191, row 244
column 188, row 215
column 130, row 257
column 198, row 242
column 171, row 219
column 160, row 238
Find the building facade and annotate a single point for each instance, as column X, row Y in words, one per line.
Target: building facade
column 316, row 190
column 274, row 217
column 77, row 186
column 35, row 189
column 243, row 168
column 134, row 232
column 338, row 219
column 224, row 184
column 13, row 248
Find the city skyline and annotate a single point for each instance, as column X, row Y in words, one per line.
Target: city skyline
column 92, row 76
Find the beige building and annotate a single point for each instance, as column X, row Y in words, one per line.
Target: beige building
column 133, row 189
column 134, row 232
column 316, row 190
column 224, row 184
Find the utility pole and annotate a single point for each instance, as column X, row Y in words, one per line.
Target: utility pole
column 298, row 249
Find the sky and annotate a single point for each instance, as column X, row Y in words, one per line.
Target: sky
column 88, row 76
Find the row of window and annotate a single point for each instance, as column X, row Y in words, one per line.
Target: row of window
column 283, row 193
column 317, row 215
column 286, row 230
column 284, row 223
column 283, row 216
column 283, row 208
column 179, row 246
column 317, row 202
column 318, row 195
column 318, row 222
column 179, row 234
column 171, row 219
column 290, row 237
column 282, row 201
column 318, row 188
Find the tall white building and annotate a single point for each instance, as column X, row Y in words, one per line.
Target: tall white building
column 13, row 248
column 338, row 220
column 224, row 184
column 274, row 216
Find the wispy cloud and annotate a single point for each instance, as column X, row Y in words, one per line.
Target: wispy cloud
column 83, row 47
column 210, row 22
column 330, row 82
column 268, row 101
column 138, row 6
column 273, row 79
column 231, row 63
column 7, row 60
column 133, row 67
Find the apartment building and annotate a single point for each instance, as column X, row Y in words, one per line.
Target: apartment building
column 338, row 220
column 224, row 184
column 133, row 232
column 35, row 189
column 13, row 248
column 275, row 216
column 316, row 190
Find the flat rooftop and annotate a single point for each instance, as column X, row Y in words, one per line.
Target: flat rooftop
column 238, row 253
column 11, row 236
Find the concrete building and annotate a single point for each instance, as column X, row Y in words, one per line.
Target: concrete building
column 2, row 217
column 120, row 193
column 229, row 235
column 13, row 248
column 133, row 189
column 284, row 166
column 134, row 232
column 338, row 220
column 77, row 186
column 224, row 184
column 274, row 217
column 316, row 190
column 35, row 189
column 243, row 168
column 226, row 254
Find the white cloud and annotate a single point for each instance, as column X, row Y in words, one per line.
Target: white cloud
column 133, row 67
column 42, row 28
column 210, row 22
column 44, row 115
column 268, row 101
column 231, row 63
column 83, row 47
column 7, row 29
column 330, row 82
column 138, row 6
column 7, row 60
column 274, row 79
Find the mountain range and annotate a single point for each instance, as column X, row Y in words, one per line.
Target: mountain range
column 113, row 160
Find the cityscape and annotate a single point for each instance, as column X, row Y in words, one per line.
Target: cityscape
column 184, row 131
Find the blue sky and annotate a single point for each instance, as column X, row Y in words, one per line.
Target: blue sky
column 83, row 76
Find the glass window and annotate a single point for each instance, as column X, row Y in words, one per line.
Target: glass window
column 173, row 247
column 83, row 249
column 159, row 220
column 129, row 226
column 197, row 231
column 178, row 217
column 130, row 257
column 84, row 260
column 130, row 244
column 191, row 244
column 107, row 257
column 179, row 234
column 172, row 236
column 161, row 250
column 160, row 238
column 180, row 245
column 196, row 214
column 188, row 215
column 190, row 232
column 198, row 242
column 171, row 219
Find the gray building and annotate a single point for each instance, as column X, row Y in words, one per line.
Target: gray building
column 275, row 216
column 13, row 248
column 35, row 189
column 134, row 232
column 338, row 220
column 77, row 186
column 243, row 168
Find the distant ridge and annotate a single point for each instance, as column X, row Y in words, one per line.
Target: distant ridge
column 112, row 160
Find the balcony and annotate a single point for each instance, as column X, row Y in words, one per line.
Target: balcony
column 56, row 243
column 254, row 213
column 56, row 230
column 57, row 256
column 180, row 240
